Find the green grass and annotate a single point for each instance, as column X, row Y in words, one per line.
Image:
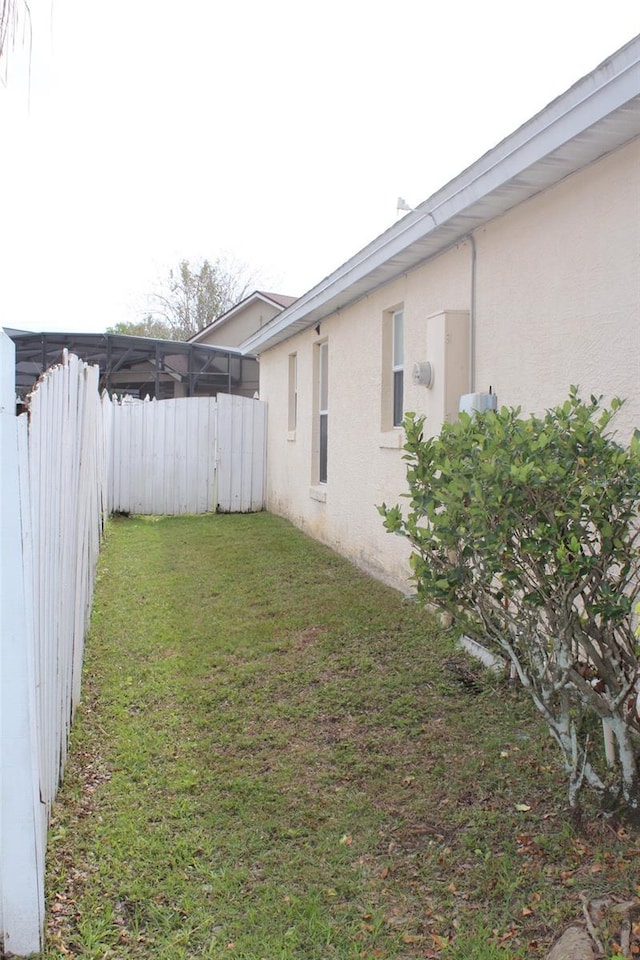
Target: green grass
column 275, row 758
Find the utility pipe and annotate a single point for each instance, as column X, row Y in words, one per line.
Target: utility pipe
column 472, row 316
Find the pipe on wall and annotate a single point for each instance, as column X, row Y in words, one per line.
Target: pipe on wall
column 472, row 316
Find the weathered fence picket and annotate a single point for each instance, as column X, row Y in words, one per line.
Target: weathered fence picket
column 63, row 466
column 21, row 822
column 241, row 454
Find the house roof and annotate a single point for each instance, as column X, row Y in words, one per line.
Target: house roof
column 598, row 114
column 278, row 300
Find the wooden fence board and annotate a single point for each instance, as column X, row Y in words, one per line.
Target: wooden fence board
column 21, row 862
column 240, row 456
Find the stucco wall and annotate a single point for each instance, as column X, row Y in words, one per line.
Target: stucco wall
column 558, row 292
column 557, row 302
column 365, row 463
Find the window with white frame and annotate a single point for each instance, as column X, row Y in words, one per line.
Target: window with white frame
column 293, row 391
column 323, row 409
column 397, row 366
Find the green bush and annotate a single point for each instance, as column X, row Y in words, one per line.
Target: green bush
column 526, row 531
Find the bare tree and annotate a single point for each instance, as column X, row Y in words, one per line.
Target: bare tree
column 196, row 296
column 10, row 20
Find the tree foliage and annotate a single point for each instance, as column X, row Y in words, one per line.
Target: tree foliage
column 526, row 531
column 147, row 327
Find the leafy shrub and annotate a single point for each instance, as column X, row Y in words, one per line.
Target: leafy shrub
column 526, row 531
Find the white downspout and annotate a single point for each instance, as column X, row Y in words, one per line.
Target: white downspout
column 472, row 317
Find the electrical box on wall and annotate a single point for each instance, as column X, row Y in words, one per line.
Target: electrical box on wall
column 447, row 347
column 477, row 402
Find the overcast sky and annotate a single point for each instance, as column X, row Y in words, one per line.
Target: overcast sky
column 276, row 134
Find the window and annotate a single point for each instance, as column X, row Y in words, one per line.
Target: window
column 392, row 398
column 293, row 391
column 323, row 409
column 397, row 366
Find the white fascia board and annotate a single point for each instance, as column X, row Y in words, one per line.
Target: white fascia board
column 598, row 95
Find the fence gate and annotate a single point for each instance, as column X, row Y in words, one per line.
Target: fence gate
column 188, row 455
column 241, row 454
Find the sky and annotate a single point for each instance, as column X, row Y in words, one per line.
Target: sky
column 277, row 136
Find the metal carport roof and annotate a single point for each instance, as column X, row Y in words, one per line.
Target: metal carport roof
column 138, row 365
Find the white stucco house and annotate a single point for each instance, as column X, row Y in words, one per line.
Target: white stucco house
column 522, row 274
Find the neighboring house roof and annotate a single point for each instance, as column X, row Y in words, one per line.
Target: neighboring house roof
column 278, row 300
column 598, row 114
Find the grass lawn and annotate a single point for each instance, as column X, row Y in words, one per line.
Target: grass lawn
column 277, row 757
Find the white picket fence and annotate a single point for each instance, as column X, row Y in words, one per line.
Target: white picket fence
column 63, row 467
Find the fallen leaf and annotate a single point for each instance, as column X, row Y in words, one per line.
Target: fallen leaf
column 522, row 807
column 440, row 942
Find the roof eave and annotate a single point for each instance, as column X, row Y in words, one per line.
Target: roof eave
column 463, row 204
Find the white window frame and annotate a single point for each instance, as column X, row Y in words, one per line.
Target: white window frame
column 323, row 410
column 397, row 367
column 293, row 392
